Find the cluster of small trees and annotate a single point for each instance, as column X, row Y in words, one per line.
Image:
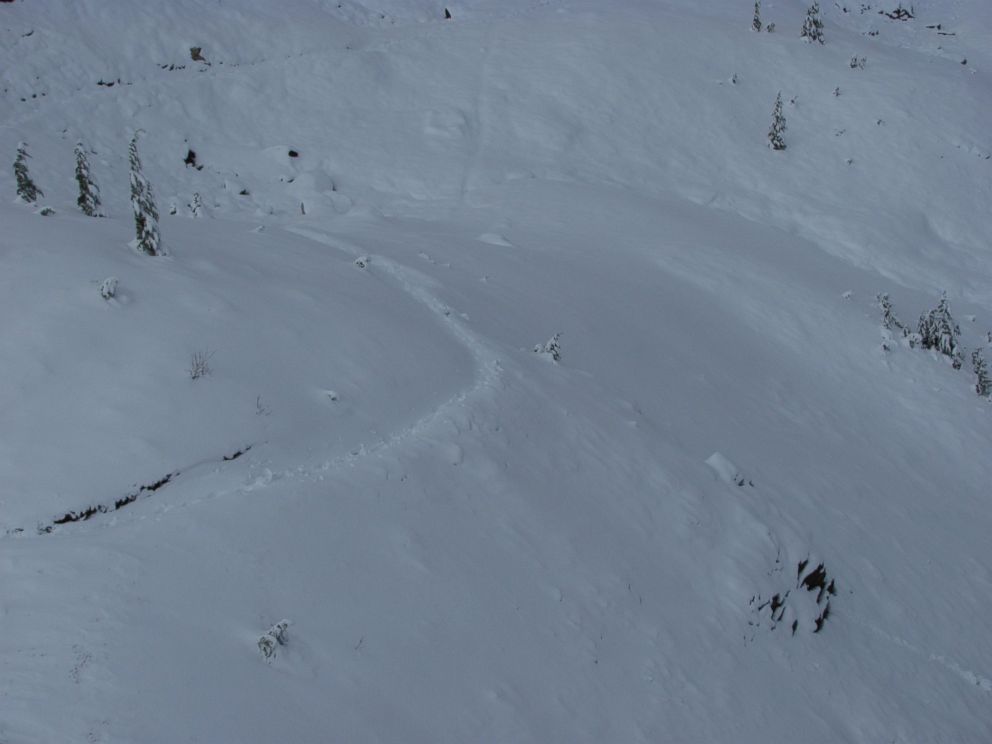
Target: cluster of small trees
column 938, row 330
column 812, row 27
column 756, row 24
column 142, row 201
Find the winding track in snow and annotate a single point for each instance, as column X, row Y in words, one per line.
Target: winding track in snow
column 488, row 375
column 488, row 370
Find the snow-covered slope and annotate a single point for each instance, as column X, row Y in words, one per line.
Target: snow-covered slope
column 471, row 541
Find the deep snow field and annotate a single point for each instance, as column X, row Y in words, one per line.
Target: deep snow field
column 737, row 509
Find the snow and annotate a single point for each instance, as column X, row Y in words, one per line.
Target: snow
column 473, row 544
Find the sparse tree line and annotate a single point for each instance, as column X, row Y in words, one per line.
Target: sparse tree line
column 811, row 31
column 147, row 237
column 146, row 217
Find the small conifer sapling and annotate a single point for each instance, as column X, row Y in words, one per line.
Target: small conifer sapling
column 778, row 127
column 983, row 380
column 26, row 188
column 756, row 21
column 889, row 319
column 89, row 194
column 149, row 241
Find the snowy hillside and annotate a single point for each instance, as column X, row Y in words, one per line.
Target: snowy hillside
column 736, row 508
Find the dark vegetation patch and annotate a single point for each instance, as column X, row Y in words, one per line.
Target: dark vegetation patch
column 140, row 492
column 899, row 14
column 236, row 455
column 781, row 607
column 91, row 511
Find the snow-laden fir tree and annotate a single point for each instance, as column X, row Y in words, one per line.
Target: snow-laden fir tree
column 939, row 331
column 143, row 205
column 775, row 140
column 756, row 22
column 196, row 205
column 26, row 189
column 89, row 194
column 983, row 381
column 813, row 25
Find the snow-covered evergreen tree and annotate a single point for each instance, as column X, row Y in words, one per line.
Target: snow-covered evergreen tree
column 196, row 205
column 775, row 140
column 89, row 193
column 25, row 186
column 756, row 22
column 143, row 205
column 552, row 348
column 939, row 331
column 813, row 25
column 983, row 381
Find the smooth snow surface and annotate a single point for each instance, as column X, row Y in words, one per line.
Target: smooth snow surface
column 727, row 514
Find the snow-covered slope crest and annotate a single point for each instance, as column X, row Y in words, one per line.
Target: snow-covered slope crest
column 306, row 479
column 435, row 110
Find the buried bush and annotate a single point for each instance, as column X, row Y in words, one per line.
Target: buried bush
column 552, row 348
column 273, row 638
column 199, row 364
